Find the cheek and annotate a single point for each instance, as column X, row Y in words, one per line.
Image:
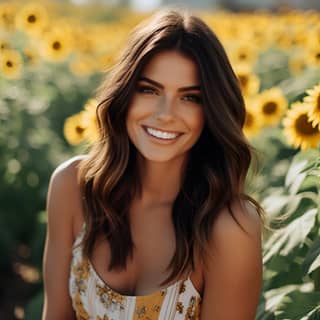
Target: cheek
column 196, row 119
column 138, row 108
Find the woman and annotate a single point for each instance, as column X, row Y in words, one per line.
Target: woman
column 154, row 222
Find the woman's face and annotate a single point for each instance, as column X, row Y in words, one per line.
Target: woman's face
column 165, row 116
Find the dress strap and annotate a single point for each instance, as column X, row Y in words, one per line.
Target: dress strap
column 189, row 274
column 79, row 236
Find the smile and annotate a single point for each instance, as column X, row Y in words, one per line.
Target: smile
column 161, row 134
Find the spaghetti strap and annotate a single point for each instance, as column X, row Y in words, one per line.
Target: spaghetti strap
column 189, row 274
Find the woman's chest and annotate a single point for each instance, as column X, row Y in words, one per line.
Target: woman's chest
column 154, row 246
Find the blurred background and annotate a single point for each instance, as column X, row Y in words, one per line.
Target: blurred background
column 53, row 55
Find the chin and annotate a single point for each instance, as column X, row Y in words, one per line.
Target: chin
column 160, row 157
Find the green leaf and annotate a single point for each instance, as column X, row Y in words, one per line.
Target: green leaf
column 314, row 314
column 295, row 176
column 34, row 307
column 312, row 260
column 274, row 203
column 274, row 297
column 296, row 305
column 287, row 238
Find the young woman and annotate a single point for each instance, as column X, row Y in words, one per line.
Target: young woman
column 154, row 222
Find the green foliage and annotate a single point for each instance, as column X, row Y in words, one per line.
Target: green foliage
column 34, row 307
column 32, row 114
column 291, row 253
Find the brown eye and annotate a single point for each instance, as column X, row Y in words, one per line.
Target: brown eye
column 146, row 89
column 193, row 98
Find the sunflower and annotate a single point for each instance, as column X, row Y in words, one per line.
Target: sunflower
column 249, row 82
column 82, row 65
column 253, row 123
column 243, row 53
column 7, row 16
column 106, row 60
column 297, row 62
column 298, row 129
column 74, row 129
column 10, row 64
column 56, row 45
column 32, row 18
column 4, row 44
column 313, row 101
column 314, row 55
column 271, row 105
column 31, row 56
column 85, row 41
column 90, row 121
column 314, row 36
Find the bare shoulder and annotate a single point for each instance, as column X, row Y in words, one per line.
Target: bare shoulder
column 233, row 267
column 64, row 191
column 68, row 168
column 245, row 214
column 62, row 205
column 65, row 176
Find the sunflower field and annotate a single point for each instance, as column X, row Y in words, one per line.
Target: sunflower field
column 53, row 56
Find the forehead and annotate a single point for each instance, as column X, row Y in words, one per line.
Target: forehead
column 172, row 67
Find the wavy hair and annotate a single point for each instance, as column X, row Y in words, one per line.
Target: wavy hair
column 218, row 162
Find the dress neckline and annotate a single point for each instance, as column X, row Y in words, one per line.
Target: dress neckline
column 99, row 278
column 175, row 284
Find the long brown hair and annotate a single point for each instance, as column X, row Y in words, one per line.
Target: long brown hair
column 218, row 163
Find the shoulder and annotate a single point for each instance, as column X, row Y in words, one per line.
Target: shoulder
column 245, row 214
column 67, row 170
column 242, row 231
column 64, row 197
column 233, row 266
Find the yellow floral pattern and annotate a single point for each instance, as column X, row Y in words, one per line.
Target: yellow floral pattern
column 148, row 307
column 81, row 313
column 93, row 299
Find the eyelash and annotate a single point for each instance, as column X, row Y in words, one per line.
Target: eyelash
column 143, row 88
column 194, row 98
column 150, row 90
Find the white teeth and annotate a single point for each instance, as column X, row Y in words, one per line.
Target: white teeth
column 161, row 134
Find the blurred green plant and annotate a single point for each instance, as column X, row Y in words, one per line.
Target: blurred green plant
column 291, row 253
column 32, row 113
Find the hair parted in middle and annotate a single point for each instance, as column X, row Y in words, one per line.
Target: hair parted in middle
column 217, row 164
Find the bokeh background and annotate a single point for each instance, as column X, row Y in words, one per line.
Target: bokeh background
column 53, row 55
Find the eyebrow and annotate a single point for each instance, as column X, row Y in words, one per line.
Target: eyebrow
column 159, row 85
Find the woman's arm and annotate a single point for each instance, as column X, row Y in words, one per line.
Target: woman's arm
column 233, row 277
column 58, row 245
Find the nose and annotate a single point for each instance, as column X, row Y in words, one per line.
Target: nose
column 165, row 110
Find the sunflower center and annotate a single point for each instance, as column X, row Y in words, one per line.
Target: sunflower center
column 9, row 64
column 318, row 101
column 304, row 126
column 242, row 56
column 269, row 107
column 79, row 129
column 4, row 45
column 29, row 57
column 32, row 18
column 318, row 55
column 243, row 80
column 249, row 119
column 56, row 45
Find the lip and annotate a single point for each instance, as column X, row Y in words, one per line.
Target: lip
column 159, row 140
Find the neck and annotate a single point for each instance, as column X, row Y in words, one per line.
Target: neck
column 161, row 181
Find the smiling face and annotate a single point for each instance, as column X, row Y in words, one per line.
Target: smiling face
column 165, row 116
